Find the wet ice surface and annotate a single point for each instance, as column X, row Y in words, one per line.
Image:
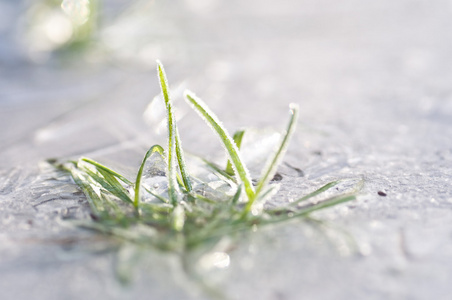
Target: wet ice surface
column 374, row 87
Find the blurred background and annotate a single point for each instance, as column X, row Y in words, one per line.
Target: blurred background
column 77, row 75
column 374, row 83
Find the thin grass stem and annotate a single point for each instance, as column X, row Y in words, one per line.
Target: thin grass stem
column 238, row 136
column 93, row 198
column 173, row 186
column 326, row 203
column 219, row 171
column 272, row 165
column 172, row 127
column 316, row 192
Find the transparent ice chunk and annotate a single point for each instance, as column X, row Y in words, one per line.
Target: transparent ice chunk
column 154, row 177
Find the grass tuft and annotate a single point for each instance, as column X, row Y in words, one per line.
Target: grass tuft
column 190, row 212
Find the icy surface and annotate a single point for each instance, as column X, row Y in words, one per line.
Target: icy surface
column 374, row 83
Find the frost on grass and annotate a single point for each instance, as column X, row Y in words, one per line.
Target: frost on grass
column 172, row 208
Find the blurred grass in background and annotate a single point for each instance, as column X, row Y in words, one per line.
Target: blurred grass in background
column 92, row 31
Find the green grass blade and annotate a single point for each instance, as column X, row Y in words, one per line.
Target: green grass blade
column 161, row 198
column 182, row 164
column 278, row 216
column 117, row 189
column 238, row 136
column 270, row 170
column 109, row 183
column 173, row 187
column 291, row 207
column 93, row 198
column 181, row 222
column 325, row 203
column 316, row 192
column 106, row 169
column 217, row 169
column 228, row 142
column 172, row 128
column 91, row 190
column 155, row 148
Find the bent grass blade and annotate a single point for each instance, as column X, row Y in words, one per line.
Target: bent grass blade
column 153, row 149
column 238, row 136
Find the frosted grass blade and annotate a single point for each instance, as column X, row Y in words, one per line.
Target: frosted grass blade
column 173, row 187
column 270, row 170
column 291, row 207
column 118, row 189
column 153, row 149
column 172, row 128
column 291, row 213
column 109, row 183
column 106, row 169
column 238, row 136
column 218, row 170
column 226, row 139
column 91, row 195
column 201, row 216
column 181, row 161
column 316, row 192
column 325, row 203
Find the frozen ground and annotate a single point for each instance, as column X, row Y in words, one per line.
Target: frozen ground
column 374, row 83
